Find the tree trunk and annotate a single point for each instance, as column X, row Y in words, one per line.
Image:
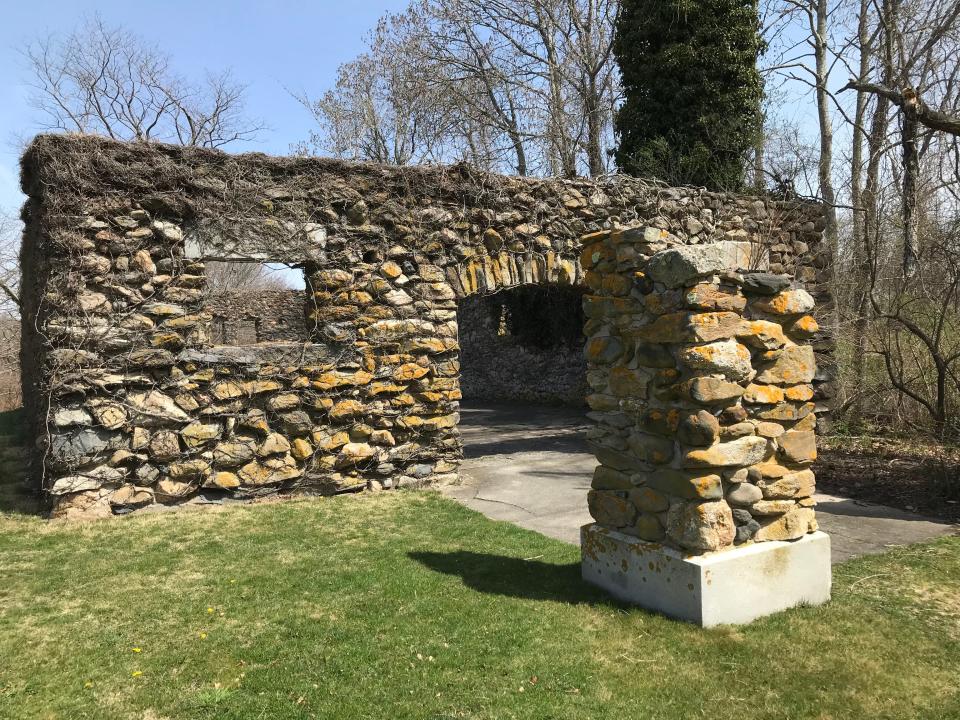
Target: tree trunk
column 825, row 167
column 911, row 169
column 759, row 154
column 591, row 106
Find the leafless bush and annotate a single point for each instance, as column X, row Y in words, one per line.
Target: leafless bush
column 10, row 230
column 236, row 277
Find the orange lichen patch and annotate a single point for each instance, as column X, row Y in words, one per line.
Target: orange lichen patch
column 799, row 393
column 723, row 356
column 805, row 326
column 227, row 390
column 771, row 470
column 346, row 409
column 431, row 345
column 409, row 371
column 705, row 484
column 788, row 302
column 707, row 296
column 763, row 394
column 696, row 327
column 762, row 333
column 595, row 252
column 778, row 304
column 327, row 441
column 379, row 388
column 403, row 400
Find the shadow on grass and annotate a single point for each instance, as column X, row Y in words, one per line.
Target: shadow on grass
column 16, row 495
column 515, row 577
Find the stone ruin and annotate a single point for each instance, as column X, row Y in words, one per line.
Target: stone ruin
column 141, row 387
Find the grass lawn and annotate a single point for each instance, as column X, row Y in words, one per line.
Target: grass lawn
column 406, row 605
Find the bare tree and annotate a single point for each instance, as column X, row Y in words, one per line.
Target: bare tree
column 913, row 63
column 528, row 85
column 10, row 230
column 919, row 338
column 807, row 57
column 384, row 107
column 231, row 277
column 107, row 80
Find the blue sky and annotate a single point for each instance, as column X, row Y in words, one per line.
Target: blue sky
column 270, row 45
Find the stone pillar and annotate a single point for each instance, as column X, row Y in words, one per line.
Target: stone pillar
column 700, row 375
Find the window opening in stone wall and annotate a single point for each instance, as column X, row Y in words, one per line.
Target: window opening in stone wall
column 252, row 303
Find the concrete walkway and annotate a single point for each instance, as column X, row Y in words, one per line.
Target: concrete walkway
column 530, row 465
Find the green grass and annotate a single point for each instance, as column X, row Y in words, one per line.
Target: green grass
column 406, row 605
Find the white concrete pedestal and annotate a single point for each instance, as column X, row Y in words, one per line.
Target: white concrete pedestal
column 732, row 586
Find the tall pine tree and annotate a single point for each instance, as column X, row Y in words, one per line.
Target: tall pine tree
column 693, row 92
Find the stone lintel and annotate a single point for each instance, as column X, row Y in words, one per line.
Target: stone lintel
column 733, row 586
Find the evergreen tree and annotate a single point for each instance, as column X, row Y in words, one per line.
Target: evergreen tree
column 692, row 90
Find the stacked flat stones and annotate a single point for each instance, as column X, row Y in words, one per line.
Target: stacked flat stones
column 701, row 392
column 130, row 402
column 170, row 418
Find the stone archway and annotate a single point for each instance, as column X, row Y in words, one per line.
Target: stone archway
column 133, row 404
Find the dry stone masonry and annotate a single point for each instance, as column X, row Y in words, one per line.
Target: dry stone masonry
column 700, row 375
column 251, row 317
column 702, row 393
column 703, row 376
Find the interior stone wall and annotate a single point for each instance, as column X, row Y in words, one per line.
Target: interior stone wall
column 499, row 365
column 130, row 401
column 250, row 317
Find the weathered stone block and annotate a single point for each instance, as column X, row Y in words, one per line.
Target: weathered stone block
column 798, row 447
column 678, row 266
column 711, row 391
column 699, row 428
column 788, row 302
column 792, row 525
column 685, row 484
column 795, row 364
column 795, row 485
column 743, row 451
column 727, row 357
column 701, row 526
column 609, row 509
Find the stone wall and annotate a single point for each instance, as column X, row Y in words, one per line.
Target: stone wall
column 132, row 404
column 702, row 394
column 502, row 363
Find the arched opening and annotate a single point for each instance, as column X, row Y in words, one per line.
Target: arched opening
column 523, row 377
column 523, row 345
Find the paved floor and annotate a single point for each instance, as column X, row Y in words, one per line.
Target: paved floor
column 529, row 465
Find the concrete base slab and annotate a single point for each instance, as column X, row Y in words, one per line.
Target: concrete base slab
column 731, row 587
